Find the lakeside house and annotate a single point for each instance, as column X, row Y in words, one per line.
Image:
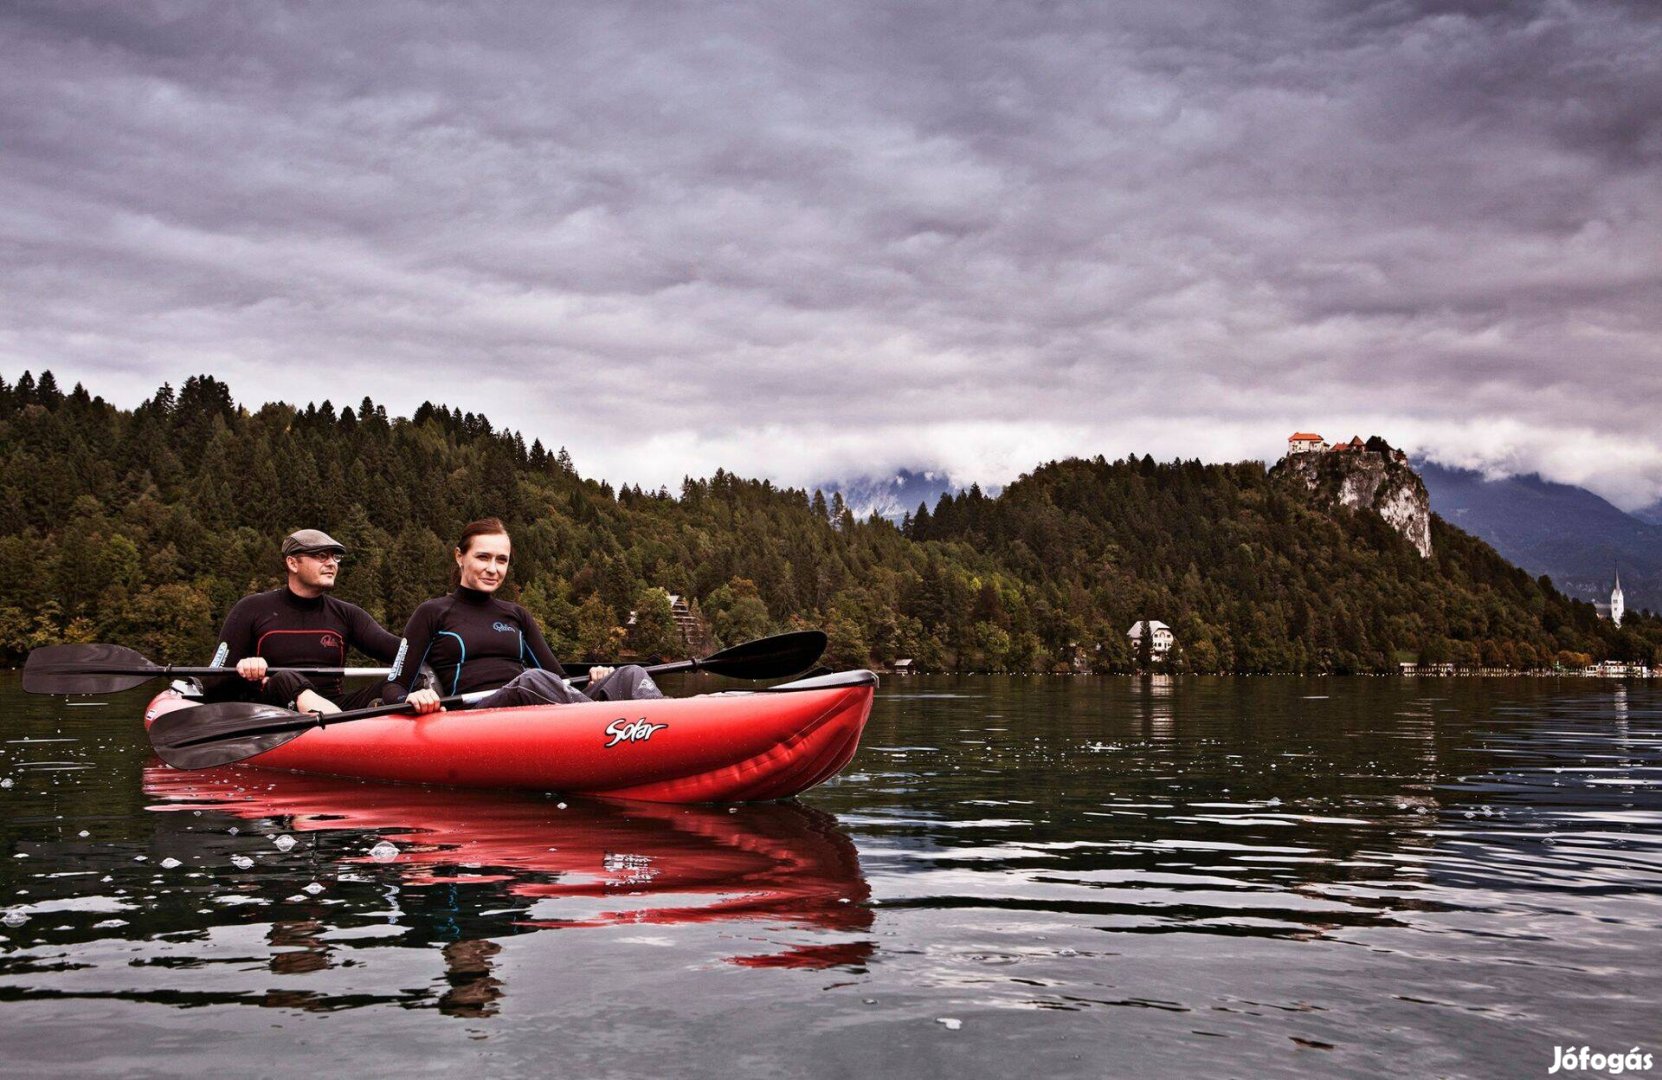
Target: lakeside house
column 692, row 631
column 687, row 622
column 1160, row 642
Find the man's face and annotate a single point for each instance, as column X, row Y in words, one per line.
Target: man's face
column 314, row 570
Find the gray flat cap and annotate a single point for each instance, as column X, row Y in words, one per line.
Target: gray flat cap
column 309, row 541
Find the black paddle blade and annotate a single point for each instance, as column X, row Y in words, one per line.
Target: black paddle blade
column 770, row 658
column 224, row 732
column 74, row 669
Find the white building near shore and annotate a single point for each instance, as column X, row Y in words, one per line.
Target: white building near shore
column 1161, row 642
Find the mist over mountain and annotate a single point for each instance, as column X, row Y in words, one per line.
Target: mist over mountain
column 1568, row 533
column 895, row 495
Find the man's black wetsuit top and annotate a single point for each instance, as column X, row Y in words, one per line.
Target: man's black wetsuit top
column 293, row 631
column 472, row 641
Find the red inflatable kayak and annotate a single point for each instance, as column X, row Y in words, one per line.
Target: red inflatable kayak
column 739, row 746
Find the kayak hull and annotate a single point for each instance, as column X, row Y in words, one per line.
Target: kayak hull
column 730, row 747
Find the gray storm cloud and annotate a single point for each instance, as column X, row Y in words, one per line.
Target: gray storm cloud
column 814, row 240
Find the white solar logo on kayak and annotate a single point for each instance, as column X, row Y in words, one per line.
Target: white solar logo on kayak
column 622, row 731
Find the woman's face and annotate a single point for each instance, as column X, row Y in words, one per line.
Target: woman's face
column 484, row 564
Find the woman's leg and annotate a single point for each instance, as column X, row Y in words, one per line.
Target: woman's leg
column 627, row 683
column 533, row 687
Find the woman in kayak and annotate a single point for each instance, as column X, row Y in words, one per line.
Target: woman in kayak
column 474, row 641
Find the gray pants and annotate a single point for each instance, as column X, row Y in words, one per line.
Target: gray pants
column 539, row 687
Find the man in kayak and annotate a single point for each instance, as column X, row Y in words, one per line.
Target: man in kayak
column 298, row 625
column 474, row 641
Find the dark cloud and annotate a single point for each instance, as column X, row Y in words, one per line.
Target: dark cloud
column 801, row 239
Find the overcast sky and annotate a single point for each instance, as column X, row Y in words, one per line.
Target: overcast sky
column 813, row 240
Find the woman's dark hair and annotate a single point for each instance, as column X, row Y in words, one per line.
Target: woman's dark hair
column 483, row 527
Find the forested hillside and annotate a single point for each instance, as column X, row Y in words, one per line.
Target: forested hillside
column 142, row 527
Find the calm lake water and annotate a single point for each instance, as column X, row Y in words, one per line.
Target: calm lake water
column 1058, row 877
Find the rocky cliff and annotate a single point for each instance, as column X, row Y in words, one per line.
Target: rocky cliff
column 1372, row 479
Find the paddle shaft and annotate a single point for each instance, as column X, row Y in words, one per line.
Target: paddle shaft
column 326, row 719
column 655, row 669
column 94, row 668
column 156, row 671
column 288, row 720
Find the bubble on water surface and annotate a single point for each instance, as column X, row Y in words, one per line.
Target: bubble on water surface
column 285, row 842
column 15, row 917
column 169, row 863
column 6, row 783
column 242, row 862
column 313, row 889
column 384, row 852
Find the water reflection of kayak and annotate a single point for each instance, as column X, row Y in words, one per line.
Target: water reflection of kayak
column 727, row 747
column 582, row 863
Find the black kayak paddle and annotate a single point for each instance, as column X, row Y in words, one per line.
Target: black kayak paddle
column 110, row 669
column 221, row 733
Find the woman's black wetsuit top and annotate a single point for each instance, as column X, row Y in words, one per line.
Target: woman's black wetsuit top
column 472, row 641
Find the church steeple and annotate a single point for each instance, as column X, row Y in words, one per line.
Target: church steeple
column 1616, row 607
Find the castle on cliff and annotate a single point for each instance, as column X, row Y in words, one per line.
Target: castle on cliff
column 1306, row 442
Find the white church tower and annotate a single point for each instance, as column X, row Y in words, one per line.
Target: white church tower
column 1616, row 608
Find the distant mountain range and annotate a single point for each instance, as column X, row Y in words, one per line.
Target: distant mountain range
column 895, row 495
column 1565, row 532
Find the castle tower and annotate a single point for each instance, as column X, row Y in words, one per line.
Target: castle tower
column 1616, row 607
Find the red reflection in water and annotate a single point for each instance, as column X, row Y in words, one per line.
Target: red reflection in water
column 650, row 863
